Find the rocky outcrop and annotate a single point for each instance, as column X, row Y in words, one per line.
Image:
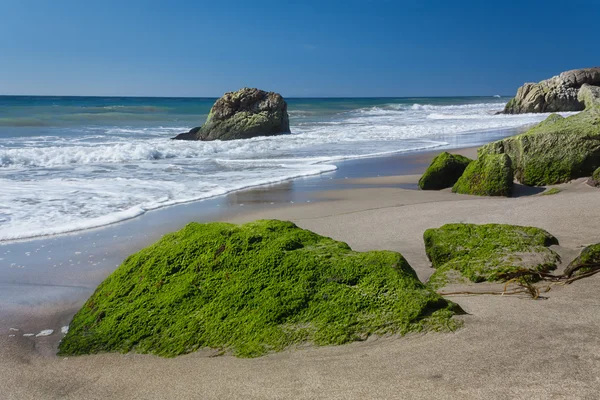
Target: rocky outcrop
column 555, row 151
column 444, row 171
column 242, row 115
column 559, row 93
column 589, row 95
column 489, row 175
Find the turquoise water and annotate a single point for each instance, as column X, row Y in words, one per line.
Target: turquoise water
column 71, row 163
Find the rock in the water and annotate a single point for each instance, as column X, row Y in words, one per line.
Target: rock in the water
column 559, row 93
column 191, row 135
column 589, row 95
column 555, row 151
column 444, row 171
column 490, row 175
column 242, row 115
column 587, row 260
column 487, row 252
column 594, row 180
column 251, row 289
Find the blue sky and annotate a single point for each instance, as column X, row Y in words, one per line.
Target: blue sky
column 298, row 48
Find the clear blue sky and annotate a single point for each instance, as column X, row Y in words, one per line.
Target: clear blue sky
column 298, row 48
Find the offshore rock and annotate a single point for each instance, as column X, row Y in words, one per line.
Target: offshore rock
column 559, row 93
column 243, row 114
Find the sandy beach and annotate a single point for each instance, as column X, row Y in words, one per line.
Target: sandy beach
column 509, row 347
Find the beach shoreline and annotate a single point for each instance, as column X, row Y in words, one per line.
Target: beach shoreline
column 354, row 205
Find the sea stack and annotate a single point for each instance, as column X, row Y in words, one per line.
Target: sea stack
column 244, row 114
column 559, row 93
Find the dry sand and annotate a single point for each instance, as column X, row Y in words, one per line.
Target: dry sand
column 510, row 347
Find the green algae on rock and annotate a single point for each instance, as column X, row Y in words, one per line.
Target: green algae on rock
column 490, row 175
column 555, row 151
column 252, row 289
column 486, row 252
column 587, row 260
column 444, row 171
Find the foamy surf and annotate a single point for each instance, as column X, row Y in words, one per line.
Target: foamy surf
column 64, row 179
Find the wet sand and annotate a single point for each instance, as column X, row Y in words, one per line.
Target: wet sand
column 510, row 346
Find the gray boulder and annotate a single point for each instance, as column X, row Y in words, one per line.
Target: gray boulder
column 559, row 93
column 589, row 95
column 241, row 115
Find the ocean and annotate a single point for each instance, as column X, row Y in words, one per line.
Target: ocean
column 72, row 163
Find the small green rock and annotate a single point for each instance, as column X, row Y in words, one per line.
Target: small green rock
column 589, row 258
column 489, row 175
column 252, row 289
column 444, row 171
column 486, row 252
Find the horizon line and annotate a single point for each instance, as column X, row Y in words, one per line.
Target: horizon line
column 217, row 97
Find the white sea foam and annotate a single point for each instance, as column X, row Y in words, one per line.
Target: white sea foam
column 60, row 183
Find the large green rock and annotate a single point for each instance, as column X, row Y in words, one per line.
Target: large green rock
column 555, row 151
column 444, row 171
column 251, row 289
column 486, row 252
column 241, row 115
column 489, row 175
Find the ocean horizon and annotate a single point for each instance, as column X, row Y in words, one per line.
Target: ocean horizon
column 69, row 163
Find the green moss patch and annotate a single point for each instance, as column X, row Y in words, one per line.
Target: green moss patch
column 251, row 289
column 551, row 191
column 555, row 151
column 444, row 171
column 489, row 175
column 487, row 252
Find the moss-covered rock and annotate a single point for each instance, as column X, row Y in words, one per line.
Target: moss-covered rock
column 244, row 114
column 587, row 260
column 444, row 171
column 490, row 175
column 487, row 252
column 251, row 289
column 594, row 180
column 555, row 151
